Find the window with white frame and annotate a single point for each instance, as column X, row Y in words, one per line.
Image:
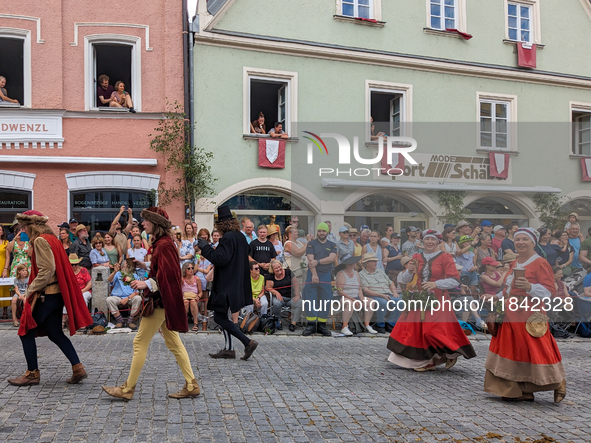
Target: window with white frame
column 494, row 124
column 117, row 57
column 15, row 66
column 271, row 93
column 386, row 113
column 581, row 133
column 357, row 8
column 520, row 21
column 443, row 14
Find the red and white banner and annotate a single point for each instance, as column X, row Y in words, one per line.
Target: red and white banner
column 271, row 153
column 586, row 166
column 386, row 166
column 499, row 165
column 526, row 55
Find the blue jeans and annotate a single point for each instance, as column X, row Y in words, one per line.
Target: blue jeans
column 383, row 312
column 469, row 278
column 319, row 296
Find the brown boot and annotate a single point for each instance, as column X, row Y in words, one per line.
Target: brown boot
column 29, row 378
column 560, row 393
column 78, row 374
column 120, row 391
column 189, row 390
column 249, row 349
column 224, row 353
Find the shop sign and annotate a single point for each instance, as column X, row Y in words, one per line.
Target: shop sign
column 451, row 168
column 23, row 130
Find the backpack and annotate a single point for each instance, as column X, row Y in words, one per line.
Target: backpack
column 584, row 329
column 268, row 324
column 250, row 323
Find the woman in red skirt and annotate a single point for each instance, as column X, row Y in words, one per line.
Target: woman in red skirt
column 422, row 344
column 523, row 358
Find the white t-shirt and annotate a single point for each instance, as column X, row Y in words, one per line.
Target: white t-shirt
column 138, row 254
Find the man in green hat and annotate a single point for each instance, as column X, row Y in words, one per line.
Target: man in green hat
column 321, row 254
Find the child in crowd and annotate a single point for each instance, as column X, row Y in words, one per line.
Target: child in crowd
column 20, row 287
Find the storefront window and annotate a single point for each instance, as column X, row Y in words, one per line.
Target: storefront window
column 11, row 203
column 259, row 205
column 496, row 210
column 379, row 211
column 97, row 209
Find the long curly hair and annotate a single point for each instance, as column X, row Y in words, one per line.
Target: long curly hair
column 228, row 225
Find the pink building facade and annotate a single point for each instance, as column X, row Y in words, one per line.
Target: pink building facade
column 60, row 152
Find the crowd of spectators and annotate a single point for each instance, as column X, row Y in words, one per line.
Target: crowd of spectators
column 288, row 266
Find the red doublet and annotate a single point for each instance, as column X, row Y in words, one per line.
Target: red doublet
column 78, row 315
column 439, row 333
column 165, row 270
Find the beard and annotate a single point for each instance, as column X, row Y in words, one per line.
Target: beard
column 321, row 236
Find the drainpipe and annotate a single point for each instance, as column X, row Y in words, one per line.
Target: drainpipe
column 188, row 88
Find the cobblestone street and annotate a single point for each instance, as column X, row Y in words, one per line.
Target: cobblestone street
column 294, row 389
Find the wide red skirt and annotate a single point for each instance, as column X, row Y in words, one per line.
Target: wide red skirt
column 437, row 334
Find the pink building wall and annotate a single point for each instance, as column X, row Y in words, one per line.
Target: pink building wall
column 58, row 82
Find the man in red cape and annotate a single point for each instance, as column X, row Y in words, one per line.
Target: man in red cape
column 52, row 285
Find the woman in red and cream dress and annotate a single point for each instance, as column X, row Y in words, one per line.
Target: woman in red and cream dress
column 524, row 358
column 438, row 338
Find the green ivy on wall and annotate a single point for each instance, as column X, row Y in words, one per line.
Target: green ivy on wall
column 453, row 205
column 549, row 210
column 193, row 176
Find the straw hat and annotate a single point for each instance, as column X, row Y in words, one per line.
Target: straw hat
column 80, row 228
column 405, row 260
column 370, row 256
column 271, row 230
column 74, row 259
column 509, row 257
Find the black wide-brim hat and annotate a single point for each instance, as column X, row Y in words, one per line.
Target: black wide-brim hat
column 350, row 261
column 224, row 213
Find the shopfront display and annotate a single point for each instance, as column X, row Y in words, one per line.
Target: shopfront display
column 97, row 208
column 13, row 202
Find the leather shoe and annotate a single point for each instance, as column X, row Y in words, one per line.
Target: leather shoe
column 310, row 329
column 524, row 397
column 189, row 390
column 292, row 327
column 27, row 379
column 322, row 329
column 78, row 374
column 132, row 326
column 120, row 391
column 389, row 327
column 249, row 349
column 560, row 393
column 224, row 353
column 380, row 329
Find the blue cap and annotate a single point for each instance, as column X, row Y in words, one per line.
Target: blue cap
column 363, row 227
column 449, row 225
column 485, row 223
column 343, row 229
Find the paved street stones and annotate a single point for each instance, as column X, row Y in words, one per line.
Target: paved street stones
column 294, row 389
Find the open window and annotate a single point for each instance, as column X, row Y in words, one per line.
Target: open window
column 114, row 61
column 581, row 133
column 117, row 57
column 389, row 105
column 12, row 67
column 272, row 93
column 270, row 98
column 387, row 112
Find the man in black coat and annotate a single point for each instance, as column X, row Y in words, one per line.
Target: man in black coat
column 231, row 289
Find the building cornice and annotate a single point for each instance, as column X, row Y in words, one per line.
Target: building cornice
column 302, row 48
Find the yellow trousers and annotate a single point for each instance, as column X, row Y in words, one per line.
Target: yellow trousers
column 148, row 327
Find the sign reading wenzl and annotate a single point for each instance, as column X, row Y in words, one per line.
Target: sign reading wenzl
column 451, row 168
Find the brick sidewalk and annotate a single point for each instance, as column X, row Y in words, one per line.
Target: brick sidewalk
column 294, row 389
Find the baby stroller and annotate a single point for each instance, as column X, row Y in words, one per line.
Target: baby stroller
column 582, row 310
column 566, row 323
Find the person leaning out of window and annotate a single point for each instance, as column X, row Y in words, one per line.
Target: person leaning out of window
column 278, row 132
column 258, row 126
column 4, row 94
column 121, row 98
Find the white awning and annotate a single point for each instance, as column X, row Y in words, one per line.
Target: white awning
column 78, row 160
column 434, row 186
